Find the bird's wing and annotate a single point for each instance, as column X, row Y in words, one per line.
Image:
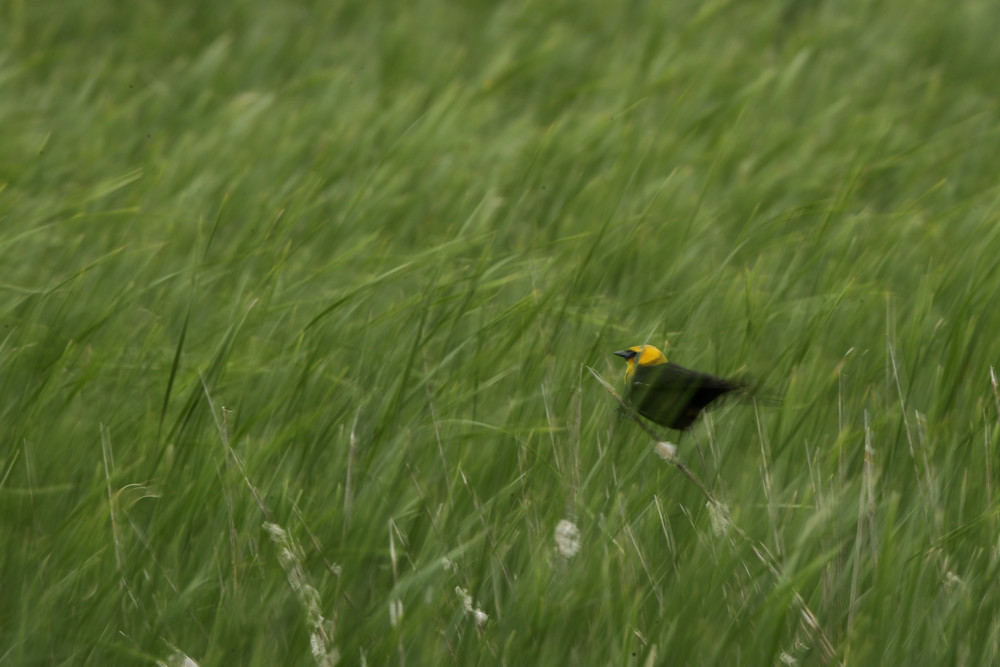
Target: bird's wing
column 670, row 383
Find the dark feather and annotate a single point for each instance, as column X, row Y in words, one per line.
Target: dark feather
column 674, row 396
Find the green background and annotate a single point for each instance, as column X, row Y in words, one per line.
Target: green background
column 340, row 267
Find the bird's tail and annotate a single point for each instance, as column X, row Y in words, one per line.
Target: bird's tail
column 751, row 388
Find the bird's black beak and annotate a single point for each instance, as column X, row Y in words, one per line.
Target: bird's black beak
column 625, row 354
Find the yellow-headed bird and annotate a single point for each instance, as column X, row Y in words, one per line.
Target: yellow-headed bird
column 668, row 394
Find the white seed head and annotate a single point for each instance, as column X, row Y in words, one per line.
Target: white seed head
column 567, row 537
column 718, row 515
column 320, row 638
column 466, row 598
column 478, row 615
column 666, row 451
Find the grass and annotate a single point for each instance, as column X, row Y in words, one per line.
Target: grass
column 298, row 305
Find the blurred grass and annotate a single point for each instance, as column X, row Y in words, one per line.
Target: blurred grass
column 371, row 250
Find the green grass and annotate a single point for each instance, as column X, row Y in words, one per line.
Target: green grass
column 342, row 268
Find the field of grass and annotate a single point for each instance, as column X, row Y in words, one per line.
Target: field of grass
column 299, row 300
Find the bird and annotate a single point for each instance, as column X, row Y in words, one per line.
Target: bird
column 668, row 394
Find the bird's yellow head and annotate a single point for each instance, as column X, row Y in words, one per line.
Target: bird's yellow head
column 640, row 355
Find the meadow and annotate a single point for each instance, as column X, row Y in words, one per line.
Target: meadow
column 299, row 304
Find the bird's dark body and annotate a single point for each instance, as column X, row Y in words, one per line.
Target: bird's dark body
column 674, row 396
